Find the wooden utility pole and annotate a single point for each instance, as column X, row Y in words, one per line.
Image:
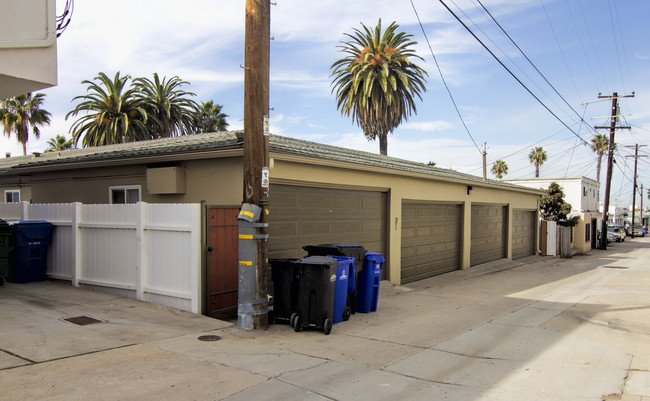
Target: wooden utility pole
column 256, row 147
column 610, row 161
column 636, row 158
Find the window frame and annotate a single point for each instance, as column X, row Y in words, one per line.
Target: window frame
column 13, row 192
column 124, row 188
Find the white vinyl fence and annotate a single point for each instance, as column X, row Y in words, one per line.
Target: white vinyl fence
column 150, row 252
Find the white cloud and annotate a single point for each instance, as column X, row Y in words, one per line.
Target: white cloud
column 427, row 126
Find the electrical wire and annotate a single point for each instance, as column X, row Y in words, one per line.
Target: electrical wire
column 582, row 45
column 533, row 64
column 63, row 20
column 511, row 73
column 593, row 46
column 566, row 64
column 443, row 79
column 618, row 54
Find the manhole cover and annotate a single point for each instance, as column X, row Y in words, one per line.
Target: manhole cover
column 210, row 337
column 83, row 320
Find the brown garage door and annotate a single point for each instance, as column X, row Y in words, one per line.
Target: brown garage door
column 301, row 216
column 431, row 238
column 488, row 234
column 523, row 233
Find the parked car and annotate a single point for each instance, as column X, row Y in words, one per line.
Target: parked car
column 610, row 236
column 618, row 233
column 638, row 231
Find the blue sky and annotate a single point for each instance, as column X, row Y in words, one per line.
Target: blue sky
column 583, row 48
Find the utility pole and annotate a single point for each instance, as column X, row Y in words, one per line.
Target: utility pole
column 641, row 213
column 484, row 161
column 636, row 158
column 610, row 160
column 253, row 301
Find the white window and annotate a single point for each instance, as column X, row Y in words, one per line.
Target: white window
column 12, row 195
column 124, row 194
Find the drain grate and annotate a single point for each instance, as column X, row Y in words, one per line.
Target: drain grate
column 615, row 267
column 83, row 320
column 209, row 337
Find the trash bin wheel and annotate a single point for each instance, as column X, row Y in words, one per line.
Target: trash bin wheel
column 346, row 313
column 327, row 326
column 297, row 324
column 292, row 318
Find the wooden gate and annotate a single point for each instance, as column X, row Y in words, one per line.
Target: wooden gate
column 223, row 258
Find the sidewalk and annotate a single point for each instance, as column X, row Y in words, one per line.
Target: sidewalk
column 533, row 329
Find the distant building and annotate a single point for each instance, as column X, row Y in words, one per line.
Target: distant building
column 583, row 194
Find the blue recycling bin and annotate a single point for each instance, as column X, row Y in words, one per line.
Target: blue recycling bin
column 368, row 284
column 28, row 258
column 344, row 286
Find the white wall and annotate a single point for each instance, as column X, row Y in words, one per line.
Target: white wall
column 581, row 192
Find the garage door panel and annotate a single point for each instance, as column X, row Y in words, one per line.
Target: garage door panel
column 488, row 238
column 305, row 216
column 430, row 240
column 524, row 226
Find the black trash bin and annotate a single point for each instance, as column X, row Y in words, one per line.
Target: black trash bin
column 28, row 258
column 285, row 276
column 315, row 301
column 350, row 250
column 6, row 238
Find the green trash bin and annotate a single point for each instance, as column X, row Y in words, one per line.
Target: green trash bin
column 6, row 237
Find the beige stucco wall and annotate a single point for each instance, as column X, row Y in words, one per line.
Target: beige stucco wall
column 217, row 181
column 400, row 188
column 579, row 242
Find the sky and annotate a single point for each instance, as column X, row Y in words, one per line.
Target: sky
column 577, row 49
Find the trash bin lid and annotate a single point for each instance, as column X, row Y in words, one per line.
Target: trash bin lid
column 319, row 260
column 374, row 257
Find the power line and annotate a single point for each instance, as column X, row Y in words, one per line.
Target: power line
column 566, row 64
column 510, row 72
column 533, row 64
column 591, row 40
column 443, row 79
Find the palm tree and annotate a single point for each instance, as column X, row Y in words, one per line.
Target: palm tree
column 211, row 119
column 59, row 143
column 170, row 111
column 376, row 82
column 600, row 145
column 18, row 113
column 499, row 168
column 537, row 157
column 114, row 113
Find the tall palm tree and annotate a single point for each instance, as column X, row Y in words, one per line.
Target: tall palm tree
column 114, row 113
column 170, row 111
column 59, row 143
column 537, row 157
column 600, row 145
column 211, row 119
column 499, row 168
column 376, row 82
column 18, row 113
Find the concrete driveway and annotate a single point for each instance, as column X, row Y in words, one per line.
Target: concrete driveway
column 533, row 329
